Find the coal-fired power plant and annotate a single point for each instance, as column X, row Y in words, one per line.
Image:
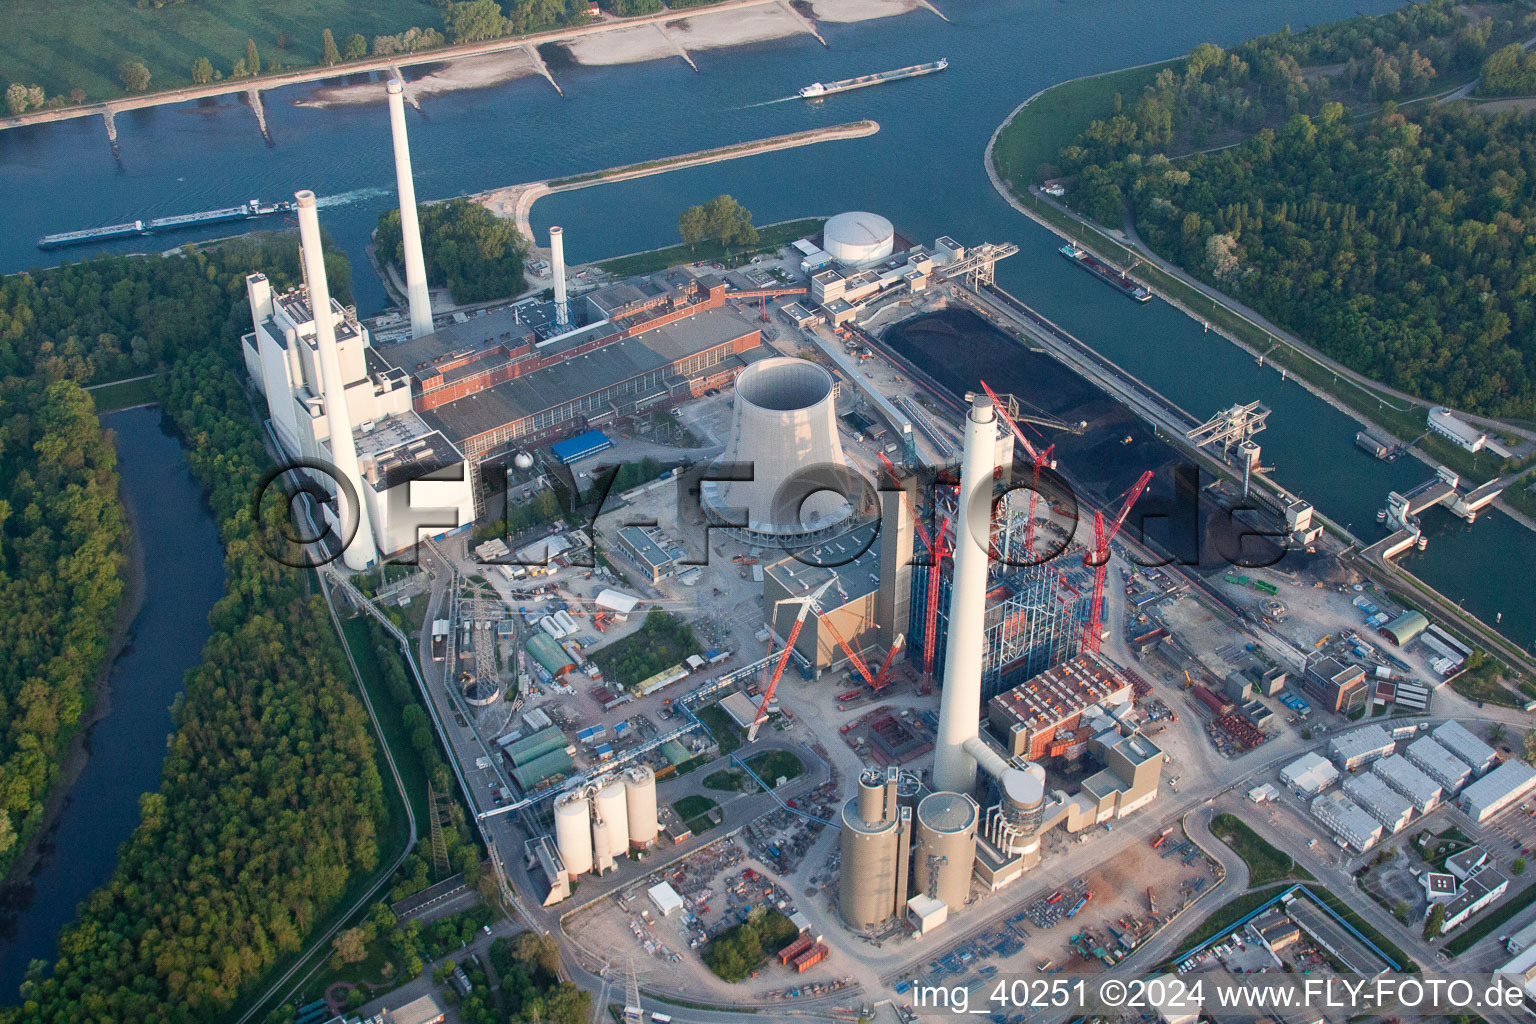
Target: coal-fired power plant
column 356, row 531
column 788, row 475
column 417, row 296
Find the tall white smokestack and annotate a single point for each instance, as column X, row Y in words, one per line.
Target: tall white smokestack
column 410, row 230
column 557, row 265
column 954, row 767
column 360, row 552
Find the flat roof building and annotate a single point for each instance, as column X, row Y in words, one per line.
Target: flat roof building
column 1459, row 740
column 1347, row 820
column 1030, row 716
column 648, row 546
column 1463, row 864
column 1399, row 773
column 421, row 1010
column 1439, row 764
column 1360, row 747
column 1339, row 687
column 1476, row 893
column 1380, row 801
column 665, row 898
column 850, row 606
column 1309, row 774
column 1509, row 782
column 1439, row 887
column 1459, row 432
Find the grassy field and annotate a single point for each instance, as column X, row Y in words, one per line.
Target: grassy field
column 64, row 46
column 694, row 810
column 123, row 394
column 728, row 781
column 726, row 733
column 774, row 764
column 771, row 237
column 1225, row 917
column 1058, row 115
column 1265, row 863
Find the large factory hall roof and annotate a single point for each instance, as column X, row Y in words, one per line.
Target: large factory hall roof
column 853, row 556
column 1061, row 692
column 584, row 374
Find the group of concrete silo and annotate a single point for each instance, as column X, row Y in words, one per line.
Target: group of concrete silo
column 603, row 821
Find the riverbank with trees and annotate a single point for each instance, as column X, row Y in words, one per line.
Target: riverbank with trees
column 1224, row 158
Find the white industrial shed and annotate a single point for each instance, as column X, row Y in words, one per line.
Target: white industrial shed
column 1379, row 800
column 666, row 898
column 1439, row 764
column 1347, row 820
column 1497, row 790
column 1459, row 740
column 1396, row 771
column 1309, row 774
column 1360, row 746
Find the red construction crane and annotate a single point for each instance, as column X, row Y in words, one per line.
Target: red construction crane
column 1036, row 458
column 938, row 550
column 1097, row 559
column 789, row 648
column 883, row 677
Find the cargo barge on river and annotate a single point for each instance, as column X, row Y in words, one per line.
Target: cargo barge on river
column 816, row 90
column 1117, row 279
column 245, row 211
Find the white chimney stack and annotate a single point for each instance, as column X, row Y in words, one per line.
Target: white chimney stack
column 954, row 767
column 354, row 515
column 410, row 230
column 557, row 267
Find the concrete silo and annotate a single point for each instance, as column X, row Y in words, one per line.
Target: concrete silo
column 784, row 430
column 613, row 808
column 640, row 798
column 875, row 850
column 944, row 847
column 573, row 833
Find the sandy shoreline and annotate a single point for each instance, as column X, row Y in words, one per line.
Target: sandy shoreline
column 478, row 72
column 78, row 753
column 861, row 10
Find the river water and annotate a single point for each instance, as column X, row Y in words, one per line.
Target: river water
column 183, row 577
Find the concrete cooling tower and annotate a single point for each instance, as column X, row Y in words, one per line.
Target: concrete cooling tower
column 785, row 429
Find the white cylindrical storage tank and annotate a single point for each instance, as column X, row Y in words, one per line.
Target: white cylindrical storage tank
column 613, row 808
column 857, row 238
column 573, row 833
column 784, row 427
column 944, row 847
column 640, row 797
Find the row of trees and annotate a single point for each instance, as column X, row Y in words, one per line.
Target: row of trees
column 1395, row 243
column 470, row 21
column 722, row 220
column 270, row 804
column 469, row 250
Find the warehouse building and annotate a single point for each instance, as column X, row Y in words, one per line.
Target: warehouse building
column 1380, row 801
column 849, row 608
column 1309, row 774
column 1439, row 764
column 1406, row 628
column 1347, row 820
column 1360, row 747
column 1421, row 790
column 1489, row 795
column 1459, row 740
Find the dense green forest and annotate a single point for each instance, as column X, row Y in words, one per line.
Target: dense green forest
column 270, row 805
column 1510, row 71
column 61, row 541
column 1394, row 241
column 469, row 250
